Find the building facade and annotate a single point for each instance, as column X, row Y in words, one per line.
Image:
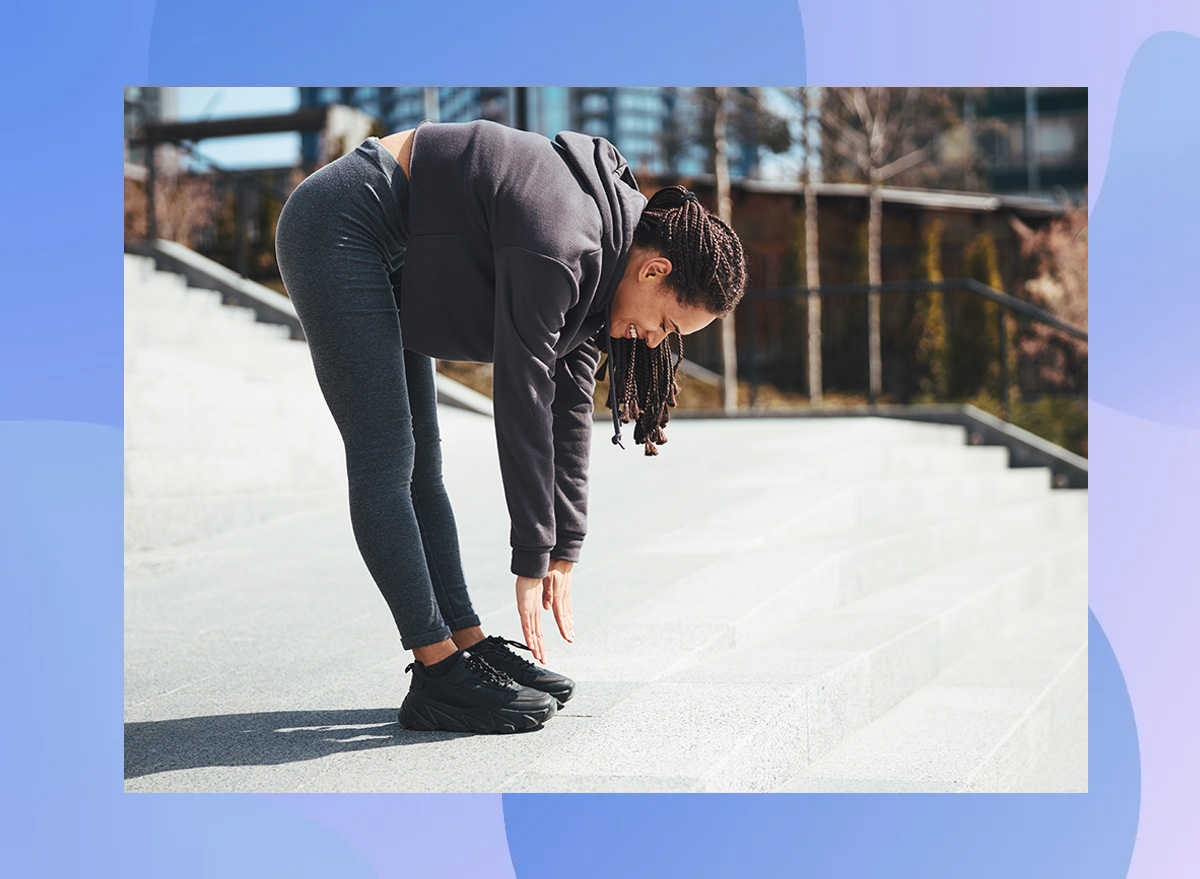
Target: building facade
column 657, row 129
column 142, row 104
column 1041, row 145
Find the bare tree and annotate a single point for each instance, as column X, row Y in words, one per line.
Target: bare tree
column 864, row 129
column 717, row 113
column 725, row 212
column 810, row 105
column 877, row 135
column 808, row 100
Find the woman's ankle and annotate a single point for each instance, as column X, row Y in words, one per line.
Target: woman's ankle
column 432, row 653
column 465, row 638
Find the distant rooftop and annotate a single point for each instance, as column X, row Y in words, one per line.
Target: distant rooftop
column 928, row 198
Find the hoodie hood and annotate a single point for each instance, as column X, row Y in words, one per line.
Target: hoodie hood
column 604, row 172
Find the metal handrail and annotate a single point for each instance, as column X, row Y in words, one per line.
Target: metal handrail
column 970, row 285
column 1018, row 305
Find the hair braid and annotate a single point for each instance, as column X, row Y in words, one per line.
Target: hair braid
column 649, row 389
column 708, row 272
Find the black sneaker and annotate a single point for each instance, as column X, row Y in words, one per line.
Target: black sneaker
column 498, row 655
column 472, row 697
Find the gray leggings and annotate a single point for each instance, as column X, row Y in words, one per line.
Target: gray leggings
column 340, row 245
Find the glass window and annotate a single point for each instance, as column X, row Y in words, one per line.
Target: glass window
column 556, row 112
column 594, row 103
column 1010, row 143
column 1056, row 136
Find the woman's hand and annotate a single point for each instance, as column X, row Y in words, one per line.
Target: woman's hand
column 554, row 590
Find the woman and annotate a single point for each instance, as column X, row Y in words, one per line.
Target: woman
column 478, row 242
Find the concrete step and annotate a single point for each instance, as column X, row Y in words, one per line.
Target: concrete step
column 784, row 585
column 834, row 501
column 744, row 510
column 756, row 709
column 774, row 520
column 165, row 377
column 172, row 300
column 166, row 292
column 877, row 499
column 180, row 424
column 1063, row 767
column 197, row 327
column 782, row 436
column 160, row 522
column 183, row 473
column 1006, row 717
column 135, row 264
column 198, row 308
column 257, row 357
column 849, row 458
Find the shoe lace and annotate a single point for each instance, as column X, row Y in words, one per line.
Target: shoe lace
column 499, row 642
column 481, row 667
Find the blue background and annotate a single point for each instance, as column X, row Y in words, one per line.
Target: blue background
column 61, row 441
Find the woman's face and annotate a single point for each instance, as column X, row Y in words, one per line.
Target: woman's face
column 645, row 308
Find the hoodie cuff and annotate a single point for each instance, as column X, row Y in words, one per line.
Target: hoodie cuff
column 567, row 549
column 530, row 562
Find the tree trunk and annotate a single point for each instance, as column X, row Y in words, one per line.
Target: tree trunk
column 812, row 267
column 729, row 399
column 874, row 233
column 151, row 186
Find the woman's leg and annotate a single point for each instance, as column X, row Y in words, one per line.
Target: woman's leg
column 439, row 533
column 337, row 276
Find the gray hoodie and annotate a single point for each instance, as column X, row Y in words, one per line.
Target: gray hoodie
column 516, row 246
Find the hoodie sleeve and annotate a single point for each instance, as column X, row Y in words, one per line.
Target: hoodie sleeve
column 574, row 382
column 533, row 295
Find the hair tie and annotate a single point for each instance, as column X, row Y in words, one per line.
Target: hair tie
column 691, row 196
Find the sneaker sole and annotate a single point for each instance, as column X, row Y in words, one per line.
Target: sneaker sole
column 430, row 716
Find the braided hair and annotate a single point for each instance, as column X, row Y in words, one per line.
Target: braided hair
column 708, row 272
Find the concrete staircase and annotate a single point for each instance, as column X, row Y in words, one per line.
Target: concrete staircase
column 225, row 424
column 900, row 613
column 851, row 604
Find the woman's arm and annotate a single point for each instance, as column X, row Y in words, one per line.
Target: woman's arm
column 533, row 295
column 574, row 382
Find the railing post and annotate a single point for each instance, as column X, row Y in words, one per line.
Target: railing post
column 815, row 387
column 243, row 243
column 874, row 347
column 1002, row 335
column 151, row 185
column 751, row 313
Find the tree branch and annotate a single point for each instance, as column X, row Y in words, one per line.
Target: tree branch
column 845, row 131
column 861, row 108
column 860, row 159
column 879, row 138
column 916, row 157
column 899, row 119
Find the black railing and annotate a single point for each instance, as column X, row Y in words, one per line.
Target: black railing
column 776, row 352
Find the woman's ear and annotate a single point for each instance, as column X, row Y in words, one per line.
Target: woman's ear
column 658, row 267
